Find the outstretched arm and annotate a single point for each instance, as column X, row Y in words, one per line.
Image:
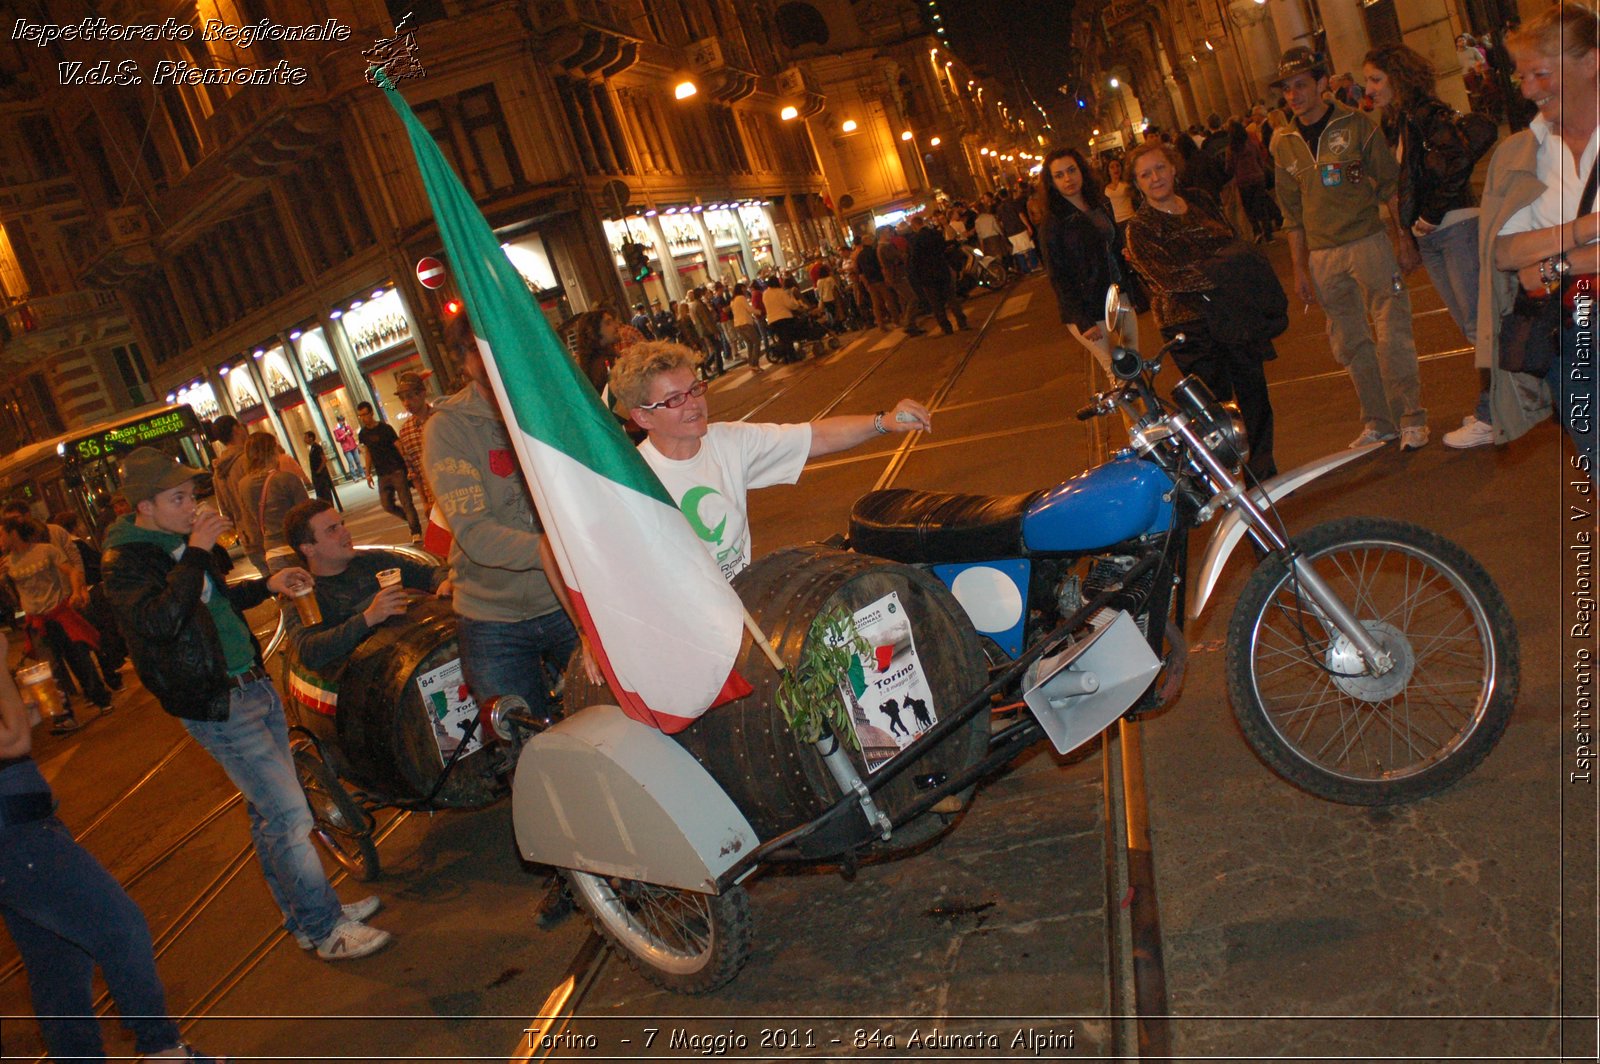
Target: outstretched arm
column 834, row 434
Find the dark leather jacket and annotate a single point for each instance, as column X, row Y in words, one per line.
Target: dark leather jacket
column 169, row 631
column 1435, row 164
column 1079, row 261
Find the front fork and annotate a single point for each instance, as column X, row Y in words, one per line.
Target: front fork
column 1327, row 607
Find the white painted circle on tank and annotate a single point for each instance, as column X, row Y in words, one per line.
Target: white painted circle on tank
column 990, row 597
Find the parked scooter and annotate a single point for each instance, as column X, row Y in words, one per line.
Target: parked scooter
column 1370, row 662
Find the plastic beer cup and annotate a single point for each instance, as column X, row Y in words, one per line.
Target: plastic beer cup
column 306, row 604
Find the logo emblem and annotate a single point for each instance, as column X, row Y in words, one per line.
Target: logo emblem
column 1339, row 141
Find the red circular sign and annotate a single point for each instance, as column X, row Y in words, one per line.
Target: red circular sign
column 430, row 271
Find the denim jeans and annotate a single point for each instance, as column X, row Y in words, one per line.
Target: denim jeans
column 1450, row 255
column 1572, row 386
column 66, row 915
column 252, row 746
column 505, row 657
column 394, row 495
column 352, row 463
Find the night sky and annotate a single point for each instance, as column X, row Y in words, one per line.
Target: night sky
column 1026, row 37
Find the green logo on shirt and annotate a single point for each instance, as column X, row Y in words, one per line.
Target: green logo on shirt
column 691, row 509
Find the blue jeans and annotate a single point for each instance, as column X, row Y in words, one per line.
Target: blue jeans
column 352, row 463
column 1450, row 255
column 1572, row 383
column 505, row 657
column 252, row 746
column 66, row 915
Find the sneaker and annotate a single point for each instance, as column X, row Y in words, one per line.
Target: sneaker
column 1413, row 437
column 356, row 910
column 556, row 907
column 352, row 939
column 1371, row 435
column 1472, row 433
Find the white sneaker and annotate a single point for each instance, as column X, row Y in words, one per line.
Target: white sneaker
column 356, row 910
column 1413, row 437
column 1371, row 435
column 1472, row 433
column 352, row 939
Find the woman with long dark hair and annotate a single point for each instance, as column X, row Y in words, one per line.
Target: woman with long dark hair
column 1078, row 236
column 1437, row 204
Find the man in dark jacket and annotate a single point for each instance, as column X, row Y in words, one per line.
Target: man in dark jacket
column 930, row 273
column 193, row 650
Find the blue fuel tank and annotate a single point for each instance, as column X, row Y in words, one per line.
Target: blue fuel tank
column 1124, row 498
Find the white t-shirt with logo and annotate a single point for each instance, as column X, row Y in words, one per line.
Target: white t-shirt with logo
column 710, row 488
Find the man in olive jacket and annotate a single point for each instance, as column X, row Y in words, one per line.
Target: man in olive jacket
column 193, row 650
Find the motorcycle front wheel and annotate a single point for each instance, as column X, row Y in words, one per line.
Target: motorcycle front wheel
column 1316, row 716
column 680, row 940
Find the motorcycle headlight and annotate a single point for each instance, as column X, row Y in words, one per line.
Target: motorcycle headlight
column 1218, row 424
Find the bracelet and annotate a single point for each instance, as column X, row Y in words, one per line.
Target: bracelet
column 877, row 424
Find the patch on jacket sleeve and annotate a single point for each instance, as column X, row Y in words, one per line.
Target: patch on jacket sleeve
column 502, row 463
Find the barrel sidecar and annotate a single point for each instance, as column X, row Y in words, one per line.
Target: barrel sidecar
column 647, row 825
column 379, row 730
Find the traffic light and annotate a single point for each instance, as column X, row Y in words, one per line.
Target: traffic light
column 452, row 308
column 638, row 262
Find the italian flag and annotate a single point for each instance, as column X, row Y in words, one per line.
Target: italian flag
column 664, row 623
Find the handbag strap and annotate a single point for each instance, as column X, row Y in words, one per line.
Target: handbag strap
column 1586, row 202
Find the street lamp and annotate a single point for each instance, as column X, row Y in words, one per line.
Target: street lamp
column 791, row 111
column 1115, row 84
column 685, row 90
column 934, row 142
column 849, row 125
column 906, row 135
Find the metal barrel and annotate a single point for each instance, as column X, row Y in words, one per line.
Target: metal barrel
column 779, row 782
column 381, row 735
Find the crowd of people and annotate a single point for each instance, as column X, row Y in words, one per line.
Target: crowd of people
column 1366, row 185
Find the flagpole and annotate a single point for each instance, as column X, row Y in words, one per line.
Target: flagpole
column 761, row 640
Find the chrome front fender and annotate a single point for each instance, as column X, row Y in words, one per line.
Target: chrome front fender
column 1231, row 529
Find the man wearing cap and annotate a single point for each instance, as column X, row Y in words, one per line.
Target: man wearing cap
column 1334, row 169
column 193, row 650
column 413, row 393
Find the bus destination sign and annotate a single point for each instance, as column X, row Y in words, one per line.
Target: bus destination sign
column 124, row 438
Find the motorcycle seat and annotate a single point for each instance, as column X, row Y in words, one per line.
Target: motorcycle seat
column 938, row 526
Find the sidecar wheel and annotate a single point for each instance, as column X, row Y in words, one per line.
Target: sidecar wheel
column 681, row 941
column 1311, row 713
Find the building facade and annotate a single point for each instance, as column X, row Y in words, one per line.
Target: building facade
column 247, row 241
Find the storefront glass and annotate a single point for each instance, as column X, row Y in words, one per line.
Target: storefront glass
column 639, row 230
column 316, row 359
column 688, row 249
column 242, row 391
column 754, row 218
column 202, row 399
column 528, row 254
column 725, row 236
column 382, row 382
column 375, row 324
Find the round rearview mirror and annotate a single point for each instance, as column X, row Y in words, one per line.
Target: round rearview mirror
column 1115, row 306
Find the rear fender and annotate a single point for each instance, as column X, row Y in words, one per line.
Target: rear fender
column 1232, row 528
column 603, row 793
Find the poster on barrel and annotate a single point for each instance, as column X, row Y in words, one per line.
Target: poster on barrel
column 887, row 694
column 451, row 709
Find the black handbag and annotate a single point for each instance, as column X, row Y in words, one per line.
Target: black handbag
column 1530, row 332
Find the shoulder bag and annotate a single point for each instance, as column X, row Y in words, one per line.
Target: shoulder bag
column 1530, row 332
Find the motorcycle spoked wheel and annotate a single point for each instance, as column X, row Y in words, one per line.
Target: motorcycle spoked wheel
column 680, row 940
column 1314, row 719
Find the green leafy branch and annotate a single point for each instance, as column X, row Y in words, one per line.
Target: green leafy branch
column 809, row 693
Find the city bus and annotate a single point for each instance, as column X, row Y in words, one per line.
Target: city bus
column 77, row 470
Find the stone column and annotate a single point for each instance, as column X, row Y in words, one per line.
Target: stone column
column 1347, row 36
column 670, row 280
column 1290, row 24
column 1257, row 43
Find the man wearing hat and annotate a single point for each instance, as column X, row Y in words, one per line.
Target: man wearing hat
column 1334, row 169
column 410, row 389
column 193, row 650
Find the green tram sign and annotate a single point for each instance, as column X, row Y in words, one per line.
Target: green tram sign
column 120, row 439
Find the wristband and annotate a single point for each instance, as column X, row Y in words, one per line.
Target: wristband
column 877, row 424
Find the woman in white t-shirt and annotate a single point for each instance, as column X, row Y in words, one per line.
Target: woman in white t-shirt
column 52, row 591
column 708, row 468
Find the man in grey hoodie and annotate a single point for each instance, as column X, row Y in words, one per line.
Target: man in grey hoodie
column 511, row 618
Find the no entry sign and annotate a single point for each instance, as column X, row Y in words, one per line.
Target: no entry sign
column 430, row 271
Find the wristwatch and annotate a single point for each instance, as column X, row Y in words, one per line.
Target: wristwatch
column 877, row 423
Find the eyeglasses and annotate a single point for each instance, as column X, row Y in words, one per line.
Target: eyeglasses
column 677, row 399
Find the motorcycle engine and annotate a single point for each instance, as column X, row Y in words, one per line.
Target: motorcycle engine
column 1103, row 573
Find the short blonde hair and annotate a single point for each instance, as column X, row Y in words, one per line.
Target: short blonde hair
column 642, row 363
column 1568, row 29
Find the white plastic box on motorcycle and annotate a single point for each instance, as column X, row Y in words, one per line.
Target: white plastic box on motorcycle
column 1369, row 661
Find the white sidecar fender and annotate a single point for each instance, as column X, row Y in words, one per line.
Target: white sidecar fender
column 603, row 793
column 1231, row 529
